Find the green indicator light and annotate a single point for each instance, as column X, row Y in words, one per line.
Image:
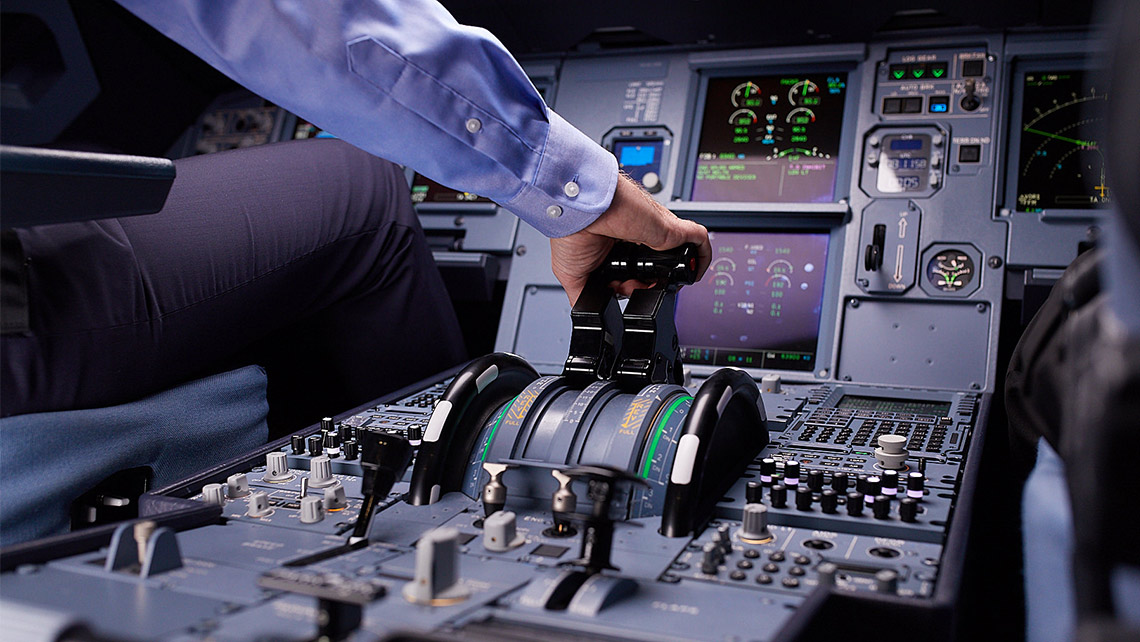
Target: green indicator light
column 661, row 431
column 918, row 73
column 937, row 72
column 496, row 428
column 898, row 74
column 860, row 452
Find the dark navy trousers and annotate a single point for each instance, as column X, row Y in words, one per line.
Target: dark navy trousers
column 304, row 257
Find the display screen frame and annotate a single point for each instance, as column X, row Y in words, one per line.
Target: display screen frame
column 1023, row 66
column 826, row 337
column 691, row 144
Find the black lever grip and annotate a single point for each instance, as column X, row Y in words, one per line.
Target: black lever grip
column 675, row 267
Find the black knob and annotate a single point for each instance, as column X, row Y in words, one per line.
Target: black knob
column 298, row 444
column 803, row 498
column 890, row 483
column 767, row 470
column 710, row 558
column 882, row 507
column 855, row 503
column 815, row 480
column 874, row 486
column 839, row 482
column 754, row 492
column 792, row 473
column 778, row 496
column 915, row 485
column 314, row 442
column 331, row 444
column 908, row 510
column 327, row 424
column 346, row 432
column 351, row 449
column 415, row 434
column 829, row 501
column 861, row 484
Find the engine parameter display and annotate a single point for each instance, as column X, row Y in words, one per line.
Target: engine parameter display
column 759, row 305
column 1061, row 160
column 425, row 190
column 770, row 139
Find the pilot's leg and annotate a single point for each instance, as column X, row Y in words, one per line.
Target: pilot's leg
column 305, row 257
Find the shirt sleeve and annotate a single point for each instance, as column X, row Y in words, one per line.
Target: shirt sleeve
column 403, row 80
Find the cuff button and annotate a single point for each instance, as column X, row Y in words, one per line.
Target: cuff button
column 473, row 125
column 571, row 189
column 554, row 211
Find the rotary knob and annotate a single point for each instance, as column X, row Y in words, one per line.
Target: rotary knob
column 320, row 472
column 277, row 468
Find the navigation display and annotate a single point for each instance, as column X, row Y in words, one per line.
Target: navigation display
column 759, row 305
column 770, row 139
column 1061, row 160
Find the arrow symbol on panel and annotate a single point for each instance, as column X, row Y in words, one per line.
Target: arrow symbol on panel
column 898, row 263
column 902, row 228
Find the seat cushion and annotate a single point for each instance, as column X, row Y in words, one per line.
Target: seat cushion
column 49, row 459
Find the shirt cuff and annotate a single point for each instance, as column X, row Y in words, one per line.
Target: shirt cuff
column 573, row 186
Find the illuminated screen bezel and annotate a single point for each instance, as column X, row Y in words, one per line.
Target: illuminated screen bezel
column 820, row 353
column 1013, row 153
column 842, row 176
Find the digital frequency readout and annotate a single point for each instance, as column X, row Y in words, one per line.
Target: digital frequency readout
column 759, row 304
column 770, row 139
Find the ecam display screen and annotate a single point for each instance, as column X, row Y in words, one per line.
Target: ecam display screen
column 425, row 190
column 770, row 139
column 759, row 304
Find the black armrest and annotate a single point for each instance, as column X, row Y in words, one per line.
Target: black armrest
column 42, row 186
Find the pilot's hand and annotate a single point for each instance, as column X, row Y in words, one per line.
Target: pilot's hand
column 633, row 216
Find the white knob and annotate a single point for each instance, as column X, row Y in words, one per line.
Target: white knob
column 320, row 472
column 277, row 468
column 214, row 494
column 312, row 510
column 335, row 499
column 500, row 532
column 436, row 579
column 258, row 503
column 237, row 485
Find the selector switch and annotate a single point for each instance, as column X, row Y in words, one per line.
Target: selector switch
column 829, row 502
column 298, row 444
column 908, row 510
column 754, row 527
column 791, row 473
column 351, row 449
column 767, row 470
column 803, row 498
column 436, row 580
column 214, row 494
column 770, row 384
column 237, row 485
column 839, row 482
column 500, row 532
column 258, row 505
column 891, row 452
column 778, row 496
column 277, row 468
column 320, row 472
column 331, row 444
column 710, row 558
column 315, row 444
column 754, row 492
column 312, row 510
column 335, row 498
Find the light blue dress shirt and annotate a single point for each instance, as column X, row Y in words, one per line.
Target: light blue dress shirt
column 403, row 80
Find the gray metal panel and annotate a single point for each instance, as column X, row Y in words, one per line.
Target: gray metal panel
column 912, row 344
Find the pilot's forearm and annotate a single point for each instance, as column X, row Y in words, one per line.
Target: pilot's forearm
column 402, row 80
